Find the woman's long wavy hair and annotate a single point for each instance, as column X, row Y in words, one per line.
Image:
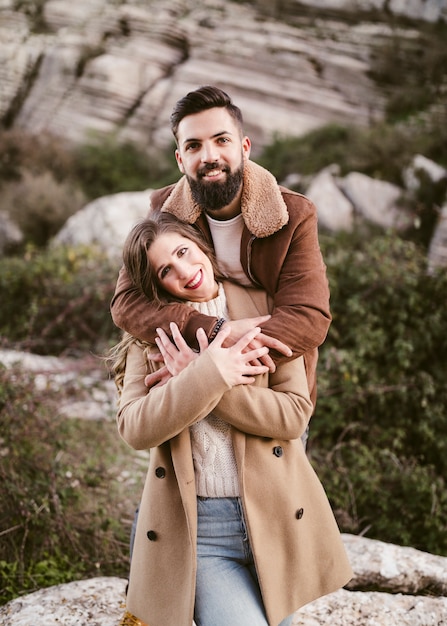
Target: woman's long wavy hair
column 143, row 276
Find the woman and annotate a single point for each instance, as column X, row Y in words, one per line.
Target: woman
column 234, row 526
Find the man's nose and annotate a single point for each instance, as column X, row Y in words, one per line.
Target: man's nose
column 210, row 153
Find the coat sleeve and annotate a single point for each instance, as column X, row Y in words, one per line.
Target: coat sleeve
column 281, row 410
column 147, row 419
column 133, row 312
column 292, row 270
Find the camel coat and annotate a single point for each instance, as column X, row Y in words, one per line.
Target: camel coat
column 295, row 540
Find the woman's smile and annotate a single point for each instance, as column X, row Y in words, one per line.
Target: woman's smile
column 182, row 268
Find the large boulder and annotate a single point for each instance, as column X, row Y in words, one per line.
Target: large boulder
column 403, row 576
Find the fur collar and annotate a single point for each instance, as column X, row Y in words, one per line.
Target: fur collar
column 262, row 205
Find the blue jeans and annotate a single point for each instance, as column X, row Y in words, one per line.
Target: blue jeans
column 227, row 591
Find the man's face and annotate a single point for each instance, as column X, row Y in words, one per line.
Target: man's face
column 211, row 153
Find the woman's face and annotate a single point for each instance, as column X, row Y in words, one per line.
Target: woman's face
column 182, row 269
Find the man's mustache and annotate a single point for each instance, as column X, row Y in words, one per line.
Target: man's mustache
column 213, row 166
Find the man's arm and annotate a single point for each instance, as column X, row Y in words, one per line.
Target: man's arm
column 301, row 313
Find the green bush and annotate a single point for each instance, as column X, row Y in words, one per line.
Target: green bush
column 65, row 510
column 40, row 205
column 378, row 432
column 57, row 301
column 105, row 166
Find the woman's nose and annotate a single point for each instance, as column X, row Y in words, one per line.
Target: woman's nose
column 181, row 269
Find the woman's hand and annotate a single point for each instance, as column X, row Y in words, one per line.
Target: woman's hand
column 176, row 353
column 238, row 364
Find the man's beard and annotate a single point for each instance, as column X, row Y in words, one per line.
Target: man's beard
column 214, row 196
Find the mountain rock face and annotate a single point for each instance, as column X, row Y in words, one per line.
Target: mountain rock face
column 73, row 68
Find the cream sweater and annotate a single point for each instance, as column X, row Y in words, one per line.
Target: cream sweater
column 212, row 448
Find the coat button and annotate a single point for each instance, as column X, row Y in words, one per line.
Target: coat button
column 299, row 514
column 152, row 535
column 160, row 472
column 277, row 451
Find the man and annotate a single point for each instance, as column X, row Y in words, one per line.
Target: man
column 263, row 235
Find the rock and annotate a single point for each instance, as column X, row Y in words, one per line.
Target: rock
column 105, row 222
column 92, row 396
column 437, row 252
column 376, row 200
column 335, row 211
column 387, row 567
column 420, row 163
column 100, row 601
column 345, row 608
column 10, row 234
column 93, row 602
column 108, row 67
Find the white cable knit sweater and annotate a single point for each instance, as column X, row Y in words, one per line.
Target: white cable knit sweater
column 212, row 447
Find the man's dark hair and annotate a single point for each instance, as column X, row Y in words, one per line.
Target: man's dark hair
column 207, row 97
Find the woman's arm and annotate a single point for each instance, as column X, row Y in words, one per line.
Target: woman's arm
column 147, row 419
column 276, row 405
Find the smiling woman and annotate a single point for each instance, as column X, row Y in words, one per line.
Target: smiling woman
column 164, row 253
column 182, row 268
column 220, row 428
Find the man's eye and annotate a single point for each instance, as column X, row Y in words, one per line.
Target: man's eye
column 224, row 139
column 192, row 146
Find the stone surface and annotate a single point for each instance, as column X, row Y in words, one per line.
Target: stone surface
column 335, row 210
column 437, row 252
column 94, row 602
column 375, row 200
column 106, row 67
column 105, row 222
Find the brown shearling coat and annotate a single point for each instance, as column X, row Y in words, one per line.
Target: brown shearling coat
column 295, row 540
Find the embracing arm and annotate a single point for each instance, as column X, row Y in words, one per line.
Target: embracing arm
column 281, row 410
column 149, row 418
column 290, row 266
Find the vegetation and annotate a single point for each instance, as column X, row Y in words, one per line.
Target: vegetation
column 68, row 491
column 57, row 301
column 377, row 439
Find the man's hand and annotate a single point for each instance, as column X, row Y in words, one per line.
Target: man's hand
column 238, row 328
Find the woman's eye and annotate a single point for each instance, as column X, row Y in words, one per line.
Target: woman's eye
column 182, row 251
column 164, row 272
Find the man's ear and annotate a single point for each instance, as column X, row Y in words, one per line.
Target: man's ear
column 178, row 158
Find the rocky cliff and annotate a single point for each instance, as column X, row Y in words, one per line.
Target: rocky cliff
column 72, row 68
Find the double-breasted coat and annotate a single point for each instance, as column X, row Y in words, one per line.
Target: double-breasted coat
column 295, row 540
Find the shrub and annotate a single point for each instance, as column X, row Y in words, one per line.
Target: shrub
column 106, row 166
column 66, row 500
column 57, row 301
column 378, row 429
column 40, row 205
